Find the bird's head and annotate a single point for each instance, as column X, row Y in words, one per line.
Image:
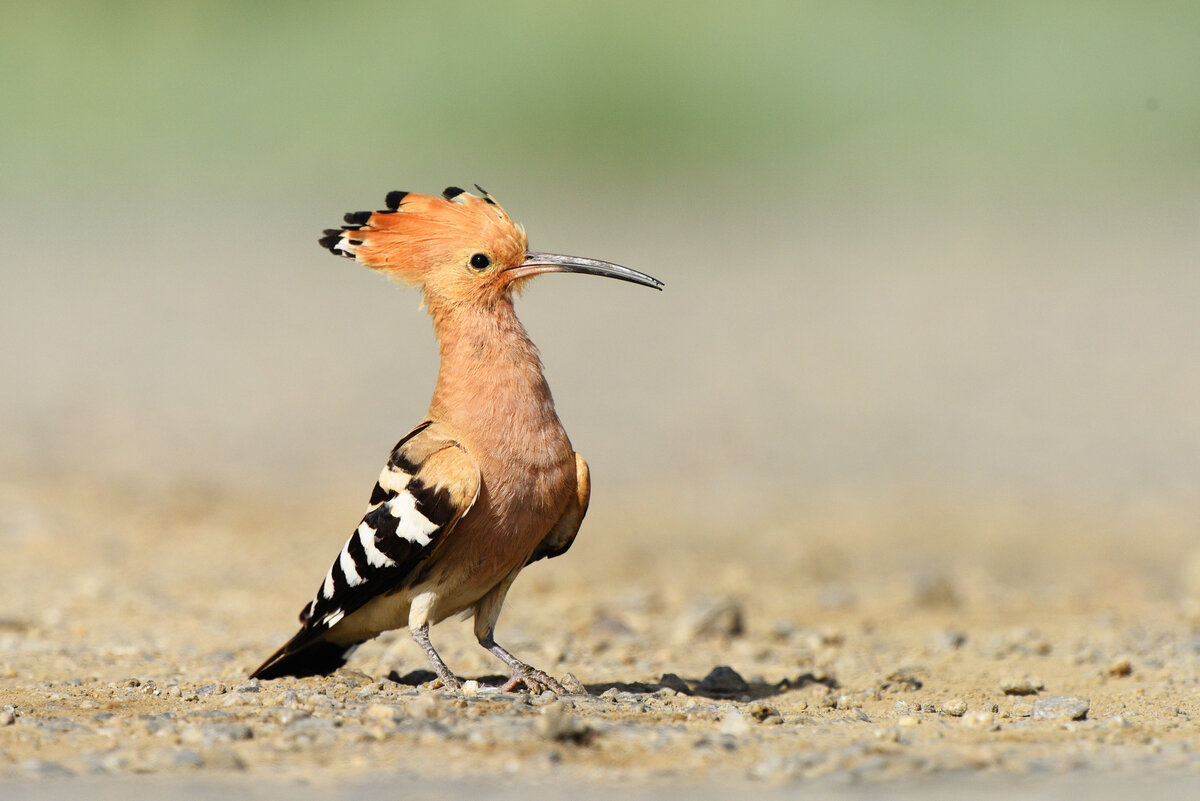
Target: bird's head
column 459, row 248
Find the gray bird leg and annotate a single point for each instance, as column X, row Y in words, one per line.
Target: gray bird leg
column 449, row 680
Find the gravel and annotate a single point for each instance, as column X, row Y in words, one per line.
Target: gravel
column 1060, row 707
column 141, row 670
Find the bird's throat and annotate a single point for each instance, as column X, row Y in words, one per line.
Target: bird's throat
column 490, row 384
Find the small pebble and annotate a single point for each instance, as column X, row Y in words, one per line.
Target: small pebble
column 7, row 718
column 763, row 712
column 955, row 707
column 573, row 685
column 1060, row 707
column 1120, row 668
column 242, row 699
column 470, row 688
column 1023, row 686
column 723, row 680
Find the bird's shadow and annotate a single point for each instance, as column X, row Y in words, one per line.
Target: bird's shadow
column 748, row 691
column 703, row 688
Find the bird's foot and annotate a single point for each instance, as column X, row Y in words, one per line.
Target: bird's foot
column 447, row 681
column 536, row 681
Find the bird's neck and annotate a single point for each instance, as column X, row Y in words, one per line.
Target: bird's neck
column 490, row 385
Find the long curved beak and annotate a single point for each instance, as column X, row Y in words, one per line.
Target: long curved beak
column 538, row 263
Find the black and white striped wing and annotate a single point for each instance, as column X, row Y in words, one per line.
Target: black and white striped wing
column 429, row 483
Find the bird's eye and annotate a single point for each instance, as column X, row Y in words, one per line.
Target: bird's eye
column 480, row 261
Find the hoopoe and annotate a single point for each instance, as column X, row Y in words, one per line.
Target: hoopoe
column 488, row 483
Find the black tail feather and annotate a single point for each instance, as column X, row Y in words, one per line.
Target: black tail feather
column 318, row 658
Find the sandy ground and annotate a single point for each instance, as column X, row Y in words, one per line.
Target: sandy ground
column 125, row 651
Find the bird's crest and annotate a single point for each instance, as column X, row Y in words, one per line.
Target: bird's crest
column 417, row 232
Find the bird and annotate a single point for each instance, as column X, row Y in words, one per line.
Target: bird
column 488, row 483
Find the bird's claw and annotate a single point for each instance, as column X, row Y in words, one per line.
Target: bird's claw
column 448, row 681
column 536, row 681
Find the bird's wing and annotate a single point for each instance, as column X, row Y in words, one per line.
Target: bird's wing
column 429, row 483
column 562, row 535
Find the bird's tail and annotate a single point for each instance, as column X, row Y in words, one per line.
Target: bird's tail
column 304, row 656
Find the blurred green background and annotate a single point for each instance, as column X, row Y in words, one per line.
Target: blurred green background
column 925, row 249
column 141, row 95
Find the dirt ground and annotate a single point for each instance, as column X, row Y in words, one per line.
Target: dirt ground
column 859, row 653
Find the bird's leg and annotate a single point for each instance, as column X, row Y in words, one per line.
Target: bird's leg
column 421, row 635
column 487, row 612
column 538, row 681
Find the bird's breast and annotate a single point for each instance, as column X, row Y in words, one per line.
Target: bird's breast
column 492, row 393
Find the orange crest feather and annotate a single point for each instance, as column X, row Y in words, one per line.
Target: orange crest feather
column 418, row 233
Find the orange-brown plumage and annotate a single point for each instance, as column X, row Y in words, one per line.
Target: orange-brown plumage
column 489, row 482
